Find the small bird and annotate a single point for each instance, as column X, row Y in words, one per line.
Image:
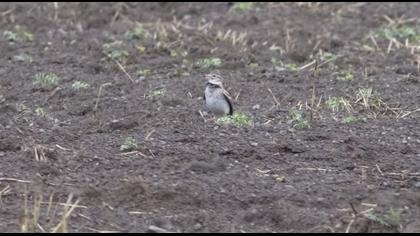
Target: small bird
column 216, row 97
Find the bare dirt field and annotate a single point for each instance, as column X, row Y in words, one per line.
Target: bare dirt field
column 100, row 124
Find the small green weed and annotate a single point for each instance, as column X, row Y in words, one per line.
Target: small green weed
column 157, row 93
column 345, row 76
column 115, row 51
column 209, row 62
column 22, row 108
column 391, row 218
column 23, row 57
column 244, row 6
column 402, row 32
column 40, row 111
column 349, row 119
column 129, row 144
column 46, row 79
column 237, row 119
column 20, row 34
column 291, row 66
column 297, row 120
column 279, row 65
column 77, row 85
column 143, row 72
column 137, row 33
column 335, row 104
column 369, row 99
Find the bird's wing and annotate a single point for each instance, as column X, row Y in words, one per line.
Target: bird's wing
column 230, row 104
column 226, row 93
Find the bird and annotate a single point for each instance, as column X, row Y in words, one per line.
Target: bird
column 216, row 98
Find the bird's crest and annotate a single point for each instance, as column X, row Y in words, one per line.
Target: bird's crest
column 214, row 79
column 217, row 79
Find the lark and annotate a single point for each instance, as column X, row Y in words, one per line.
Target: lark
column 216, row 97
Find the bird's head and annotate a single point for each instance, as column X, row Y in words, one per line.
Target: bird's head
column 214, row 80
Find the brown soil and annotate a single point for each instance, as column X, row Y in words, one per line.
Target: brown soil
column 188, row 175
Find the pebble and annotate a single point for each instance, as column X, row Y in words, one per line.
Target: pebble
column 417, row 185
column 198, row 226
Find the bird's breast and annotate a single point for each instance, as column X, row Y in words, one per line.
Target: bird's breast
column 216, row 102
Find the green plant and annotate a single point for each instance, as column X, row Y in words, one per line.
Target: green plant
column 140, row 48
column 376, row 219
column 46, row 79
column 337, row 103
column 40, row 111
column 20, row 34
column 345, row 76
column 181, row 71
column 297, row 119
column 279, row 178
column 327, row 56
column 175, row 53
column 209, row 62
column 369, row 99
column 22, row 108
column 137, row 33
column 23, row 57
column 115, row 51
column 11, row 36
column 157, row 93
column 402, row 32
column 129, row 144
column 351, row 119
column 291, row 66
column 244, row 6
column 276, row 61
column 391, row 218
column 143, row 72
column 279, row 65
column 253, row 65
column 77, row 85
column 333, row 104
column 237, row 119
column 327, row 59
